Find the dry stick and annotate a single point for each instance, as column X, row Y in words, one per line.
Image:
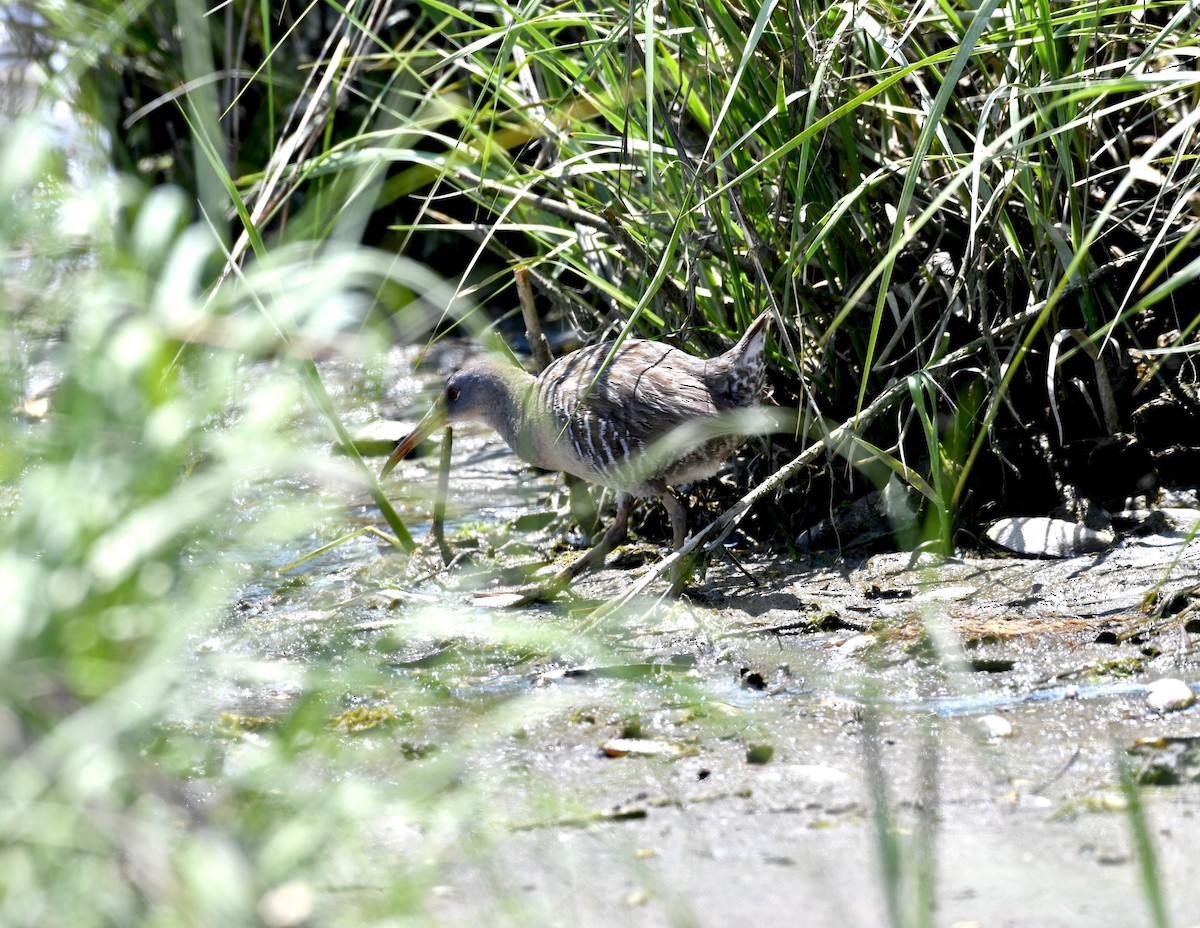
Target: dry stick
column 266, row 197
column 717, row 530
column 439, row 500
column 533, row 326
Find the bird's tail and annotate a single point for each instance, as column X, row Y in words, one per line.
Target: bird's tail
column 757, row 329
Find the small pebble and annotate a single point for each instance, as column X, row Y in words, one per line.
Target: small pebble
column 1169, row 695
column 856, row 644
column 1042, row 537
column 845, row 710
column 621, row 747
column 995, row 726
column 287, row 905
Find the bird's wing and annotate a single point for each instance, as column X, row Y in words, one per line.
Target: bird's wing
column 609, row 418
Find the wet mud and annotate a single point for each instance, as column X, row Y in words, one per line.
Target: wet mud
column 794, row 742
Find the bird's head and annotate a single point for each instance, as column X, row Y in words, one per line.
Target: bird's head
column 480, row 392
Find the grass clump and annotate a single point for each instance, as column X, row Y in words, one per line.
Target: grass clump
column 926, row 196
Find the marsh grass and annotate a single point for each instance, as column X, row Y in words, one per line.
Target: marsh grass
column 893, row 184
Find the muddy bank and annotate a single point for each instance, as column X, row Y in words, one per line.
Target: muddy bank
column 756, row 752
column 736, row 755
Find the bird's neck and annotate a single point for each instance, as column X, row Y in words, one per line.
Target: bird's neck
column 507, row 415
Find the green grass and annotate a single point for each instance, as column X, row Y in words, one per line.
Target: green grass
column 895, row 186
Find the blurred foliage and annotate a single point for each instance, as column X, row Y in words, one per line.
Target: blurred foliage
column 146, row 410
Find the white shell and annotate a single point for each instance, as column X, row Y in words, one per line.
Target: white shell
column 1042, row 537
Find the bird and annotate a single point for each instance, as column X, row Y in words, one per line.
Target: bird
column 637, row 416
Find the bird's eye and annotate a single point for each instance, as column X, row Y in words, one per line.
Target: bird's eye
column 452, row 394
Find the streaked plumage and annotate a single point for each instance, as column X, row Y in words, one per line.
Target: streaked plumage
column 598, row 421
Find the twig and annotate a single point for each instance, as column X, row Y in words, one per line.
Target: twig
column 622, row 814
column 533, row 326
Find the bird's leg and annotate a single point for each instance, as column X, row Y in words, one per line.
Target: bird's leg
column 612, row 537
column 677, row 513
column 593, row 558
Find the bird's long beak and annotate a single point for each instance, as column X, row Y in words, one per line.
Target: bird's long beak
column 434, row 418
